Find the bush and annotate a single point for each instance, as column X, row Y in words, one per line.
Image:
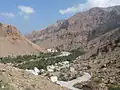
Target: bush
column 41, row 64
column 1, row 24
column 114, row 88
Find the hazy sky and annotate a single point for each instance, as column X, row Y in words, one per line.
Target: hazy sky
column 28, row 15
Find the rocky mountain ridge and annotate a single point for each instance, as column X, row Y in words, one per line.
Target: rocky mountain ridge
column 79, row 30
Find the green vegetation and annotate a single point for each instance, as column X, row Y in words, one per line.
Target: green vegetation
column 20, row 59
column 1, row 24
column 31, row 64
column 114, row 88
column 41, row 60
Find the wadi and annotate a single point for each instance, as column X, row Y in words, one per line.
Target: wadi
column 81, row 52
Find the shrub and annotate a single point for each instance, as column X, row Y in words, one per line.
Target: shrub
column 1, row 24
column 114, row 88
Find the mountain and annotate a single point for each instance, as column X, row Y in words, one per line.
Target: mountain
column 97, row 31
column 79, row 30
column 104, row 68
column 13, row 43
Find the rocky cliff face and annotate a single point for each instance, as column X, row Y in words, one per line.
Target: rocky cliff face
column 13, row 43
column 78, row 30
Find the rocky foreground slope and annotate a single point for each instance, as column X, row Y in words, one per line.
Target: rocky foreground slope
column 104, row 68
column 13, row 43
column 15, row 79
column 79, row 30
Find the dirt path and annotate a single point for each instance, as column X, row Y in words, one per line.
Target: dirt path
column 69, row 84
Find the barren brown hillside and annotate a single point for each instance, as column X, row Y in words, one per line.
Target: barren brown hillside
column 12, row 43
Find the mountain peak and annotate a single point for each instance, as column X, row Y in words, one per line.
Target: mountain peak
column 8, row 30
column 13, row 43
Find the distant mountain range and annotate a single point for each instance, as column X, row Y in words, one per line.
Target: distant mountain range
column 87, row 30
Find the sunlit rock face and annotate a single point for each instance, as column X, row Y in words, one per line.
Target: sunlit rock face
column 78, row 30
column 8, row 30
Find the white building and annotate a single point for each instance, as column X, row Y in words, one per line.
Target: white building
column 51, row 50
column 36, row 71
column 50, row 68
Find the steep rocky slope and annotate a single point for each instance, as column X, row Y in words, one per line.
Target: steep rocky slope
column 15, row 79
column 13, row 43
column 78, row 30
column 104, row 68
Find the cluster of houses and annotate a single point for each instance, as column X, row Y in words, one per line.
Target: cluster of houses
column 50, row 68
column 58, row 66
column 51, row 50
